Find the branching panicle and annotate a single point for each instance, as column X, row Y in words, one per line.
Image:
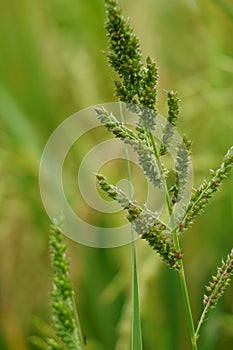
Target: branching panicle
column 137, row 87
column 201, row 196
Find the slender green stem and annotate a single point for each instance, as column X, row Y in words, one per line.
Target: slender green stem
column 188, row 306
column 177, row 246
column 201, row 320
column 136, row 342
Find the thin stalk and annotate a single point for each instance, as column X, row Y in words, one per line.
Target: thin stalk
column 187, row 306
column 201, row 320
column 136, row 339
column 177, row 246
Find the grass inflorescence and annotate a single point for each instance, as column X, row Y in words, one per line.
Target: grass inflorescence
column 136, row 86
column 65, row 319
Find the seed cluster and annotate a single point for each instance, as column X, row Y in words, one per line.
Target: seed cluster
column 141, row 145
column 62, row 293
column 138, row 83
column 202, row 195
column 182, row 166
column 173, row 114
column 146, row 223
column 219, row 282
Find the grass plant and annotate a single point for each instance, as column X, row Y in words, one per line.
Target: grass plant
column 137, row 88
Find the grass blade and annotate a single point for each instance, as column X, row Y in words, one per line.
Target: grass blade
column 136, row 322
column 136, row 341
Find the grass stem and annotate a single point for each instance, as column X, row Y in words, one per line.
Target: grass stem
column 177, row 246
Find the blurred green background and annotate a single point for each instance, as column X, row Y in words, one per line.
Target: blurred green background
column 51, row 66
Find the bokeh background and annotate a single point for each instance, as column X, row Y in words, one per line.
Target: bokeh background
column 52, row 65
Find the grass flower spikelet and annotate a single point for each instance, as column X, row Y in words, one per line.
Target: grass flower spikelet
column 216, row 288
column 201, row 196
column 145, row 223
column 124, row 53
column 141, row 146
column 138, row 83
column 182, row 165
column 173, row 113
column 219, row 282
